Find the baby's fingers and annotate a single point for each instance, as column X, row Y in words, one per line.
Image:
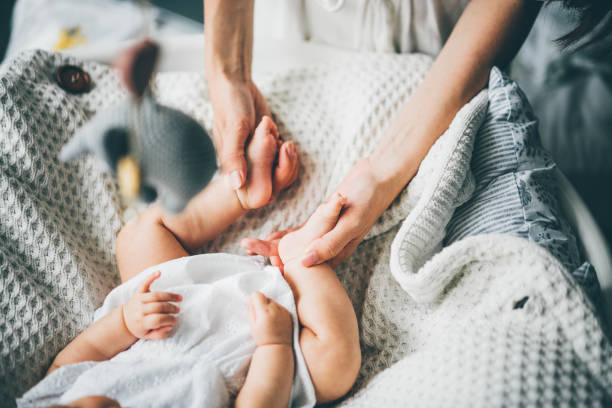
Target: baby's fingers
column 260, row 247
column 155, row 321
column 161, row 297
column 160, row 307
column 144, row 288
column 258, row 301
column 277, row 235
column 288, row 167
column 160, row 333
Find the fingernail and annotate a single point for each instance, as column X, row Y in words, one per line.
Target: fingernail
column 235, row 180
column 310, row 259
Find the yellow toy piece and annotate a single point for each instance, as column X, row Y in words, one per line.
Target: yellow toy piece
column 128, row 177
column 69, row 37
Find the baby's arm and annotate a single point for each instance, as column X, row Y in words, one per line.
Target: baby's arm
column 270, row 376
column 146, row 315
column 101, row 341
column 329, row 337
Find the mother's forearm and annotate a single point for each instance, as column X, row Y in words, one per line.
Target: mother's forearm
column 228, row 35
column 489, row 33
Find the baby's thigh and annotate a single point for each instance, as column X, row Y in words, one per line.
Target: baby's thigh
column 333, row 362
column 144, row 242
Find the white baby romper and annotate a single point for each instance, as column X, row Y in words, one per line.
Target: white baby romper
column 205, row 359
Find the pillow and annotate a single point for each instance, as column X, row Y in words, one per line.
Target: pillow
column 516, row 189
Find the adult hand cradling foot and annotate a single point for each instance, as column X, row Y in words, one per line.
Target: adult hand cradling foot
column 292, row 245
column 238, row 107
column 237, row 103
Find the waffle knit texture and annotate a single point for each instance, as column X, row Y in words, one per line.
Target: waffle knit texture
column 485, row 321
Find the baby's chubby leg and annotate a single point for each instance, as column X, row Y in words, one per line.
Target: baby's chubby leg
column 155, row 237
column 329, row 337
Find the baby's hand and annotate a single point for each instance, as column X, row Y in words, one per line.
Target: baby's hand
column 270, row 322
column 285, row 246
column 150, row 315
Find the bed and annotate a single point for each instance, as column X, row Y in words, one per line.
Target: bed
column 453, row 299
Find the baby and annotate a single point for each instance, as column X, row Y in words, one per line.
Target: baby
column 187, row 343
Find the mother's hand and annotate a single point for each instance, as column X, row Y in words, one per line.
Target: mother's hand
column 238, row 107
column 367, row 197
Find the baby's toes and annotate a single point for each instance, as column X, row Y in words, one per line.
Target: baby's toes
column 260, row 155
column 286, row 170
column 263, row 145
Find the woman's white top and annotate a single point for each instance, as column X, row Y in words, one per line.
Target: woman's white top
column 400, row 26
column 204, row 360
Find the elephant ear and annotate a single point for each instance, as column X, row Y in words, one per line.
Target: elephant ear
column 137, row 64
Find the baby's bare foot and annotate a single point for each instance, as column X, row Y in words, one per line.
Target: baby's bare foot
column 323, row 220
column 267, row 175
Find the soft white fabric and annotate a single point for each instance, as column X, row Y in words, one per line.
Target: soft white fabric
column 204, row 360
column 478, row 342
column 59, row 230
column 510, row 328
column 371, row 25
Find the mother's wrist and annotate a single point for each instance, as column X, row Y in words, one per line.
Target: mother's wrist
column 399, row 154
column 226, row 72
column 390, row 169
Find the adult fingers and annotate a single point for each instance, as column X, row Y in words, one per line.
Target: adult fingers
column 329, row 245
column 146, row 285
column 161, row 297
column 160, row 307
column 234, row 166
column 259, row 247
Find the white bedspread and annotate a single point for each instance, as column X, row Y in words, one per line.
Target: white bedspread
column 489, row 320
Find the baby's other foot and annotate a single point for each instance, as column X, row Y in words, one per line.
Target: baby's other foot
column 267, row 175
column 323, row 220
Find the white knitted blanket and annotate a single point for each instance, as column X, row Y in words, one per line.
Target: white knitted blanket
column 485, row 321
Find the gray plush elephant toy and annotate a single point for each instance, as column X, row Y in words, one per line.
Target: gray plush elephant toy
column 156, row 151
